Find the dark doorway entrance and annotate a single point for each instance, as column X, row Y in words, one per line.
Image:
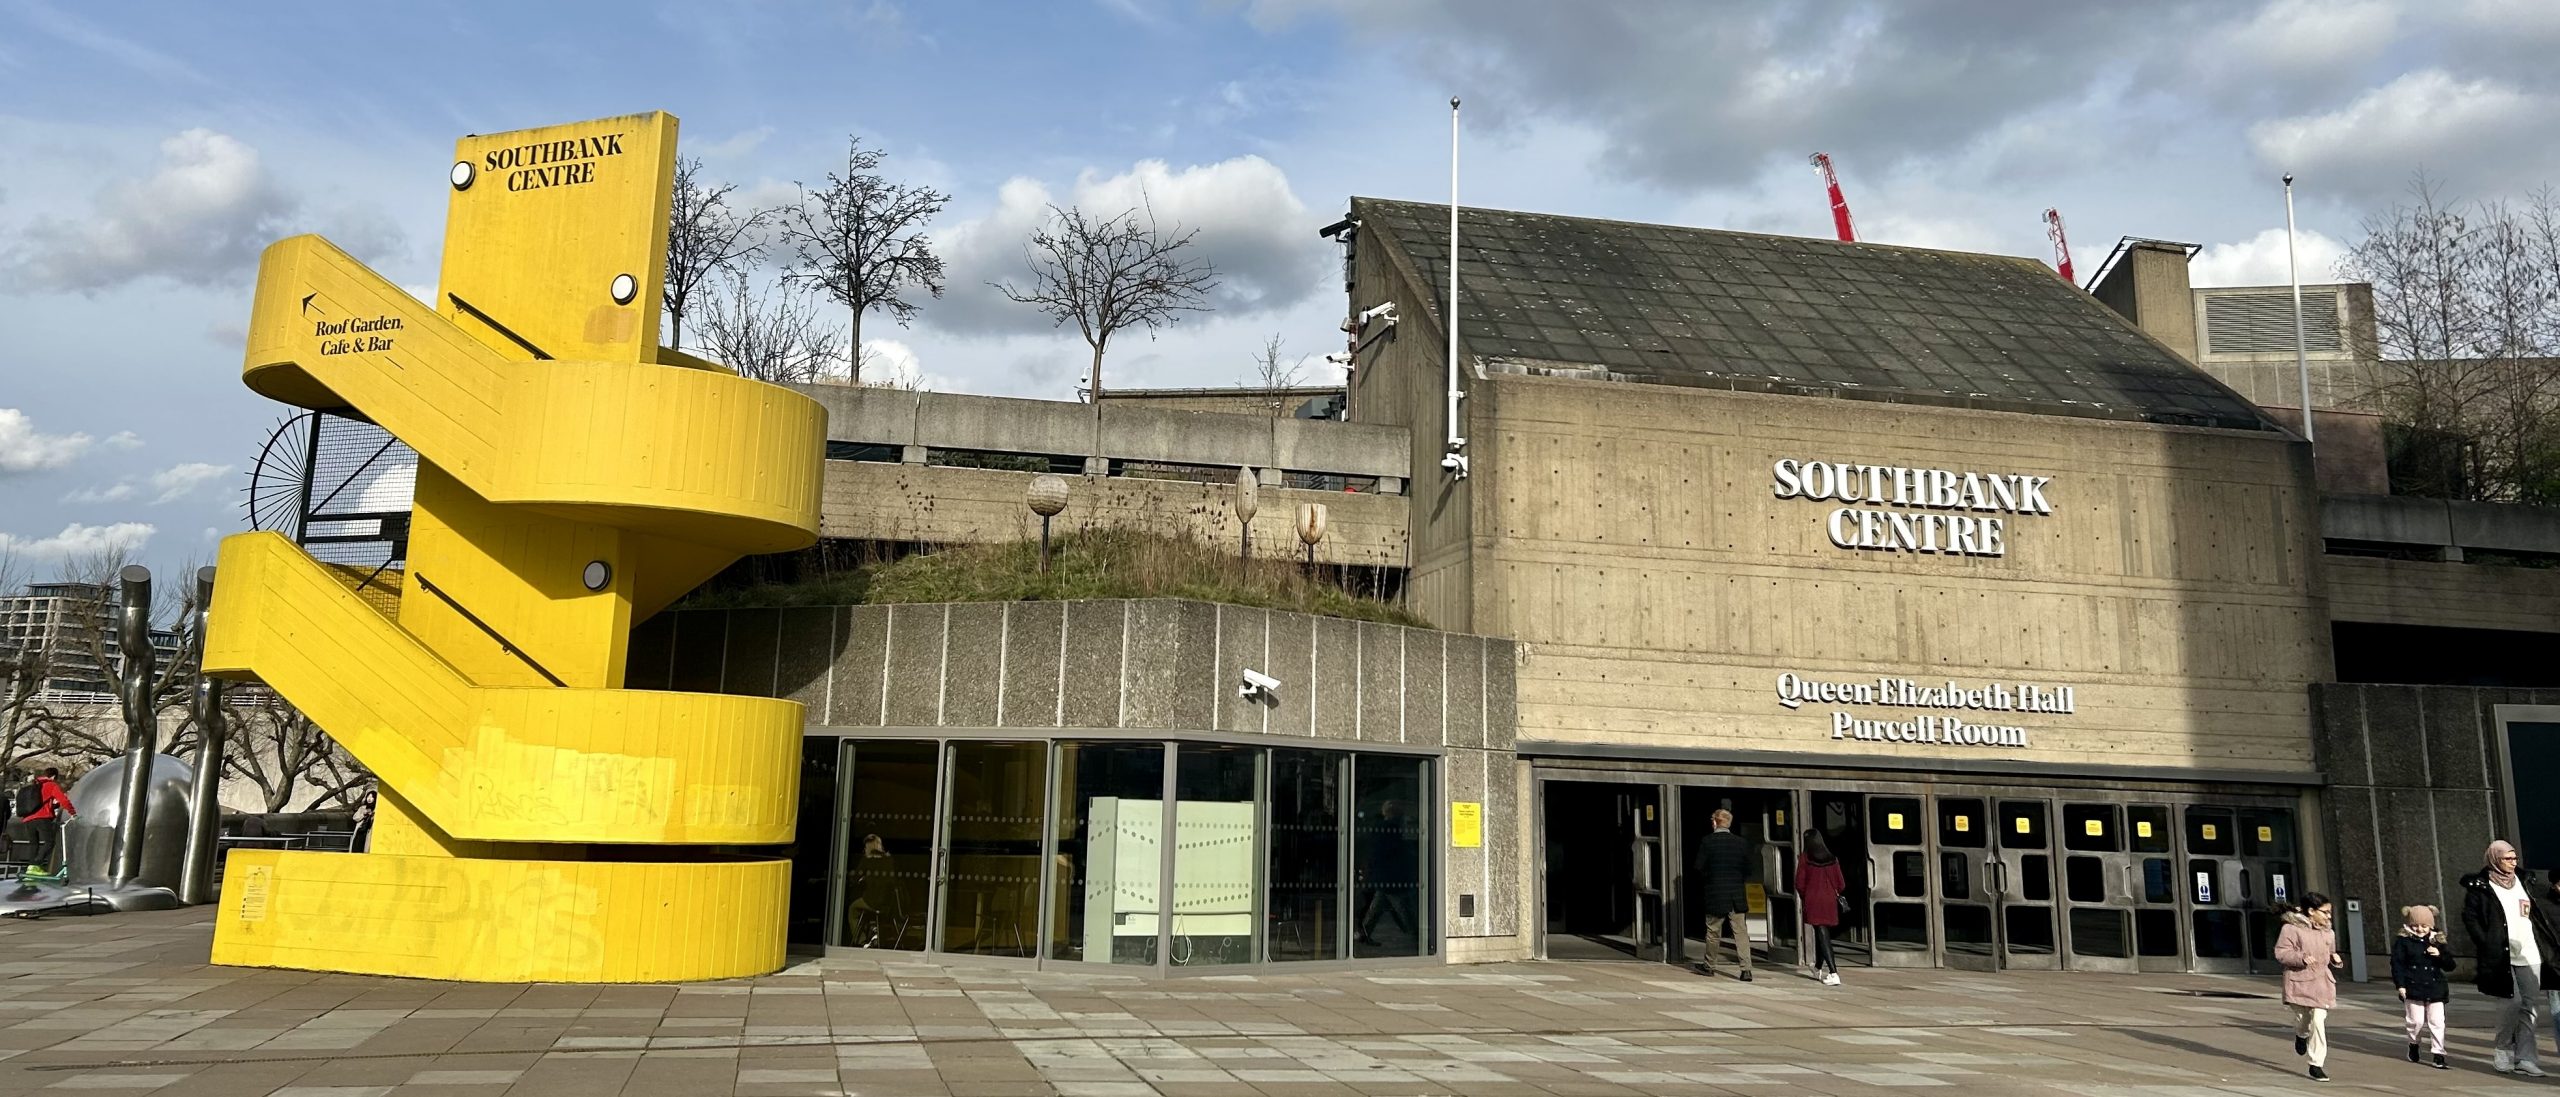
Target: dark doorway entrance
column 1605, row 871
column 1766, row 819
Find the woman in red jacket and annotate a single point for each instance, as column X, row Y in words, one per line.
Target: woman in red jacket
column 1818, row 886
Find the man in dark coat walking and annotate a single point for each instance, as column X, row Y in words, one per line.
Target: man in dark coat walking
column 1723, row 868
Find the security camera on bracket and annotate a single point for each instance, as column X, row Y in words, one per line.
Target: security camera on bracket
column 1455, row 461
column 1259, row 687
column 1385, row 313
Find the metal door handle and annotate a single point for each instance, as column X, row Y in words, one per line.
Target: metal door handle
column 2131, row 889
column 1995, row 875
column 1871, row 873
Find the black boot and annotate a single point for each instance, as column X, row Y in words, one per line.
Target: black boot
column 2319, row 1075
column 2413, row 1053
column 2302, row 1045
column 2440, row 1063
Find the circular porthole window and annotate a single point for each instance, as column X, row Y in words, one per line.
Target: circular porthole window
column 598, row 575
column 463, row 175
column 625, row 287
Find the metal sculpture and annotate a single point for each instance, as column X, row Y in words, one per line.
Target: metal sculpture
column 91, row 843
column 204, row 798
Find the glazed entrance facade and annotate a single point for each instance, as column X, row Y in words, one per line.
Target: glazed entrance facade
column 1051, row 851
column 1957, row 871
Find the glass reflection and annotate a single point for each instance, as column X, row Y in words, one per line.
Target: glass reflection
column 889, row 851
column 1387, row 857
column 1213, row 855
column 1106, row 897
column 991, row 893
column 1306, row 856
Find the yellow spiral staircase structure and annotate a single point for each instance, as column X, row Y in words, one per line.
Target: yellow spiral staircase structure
column 537, row 822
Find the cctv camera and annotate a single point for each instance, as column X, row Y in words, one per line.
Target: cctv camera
column 1456, row 463
column 1385, row 312
column 1257, row 683
column 1338, row 359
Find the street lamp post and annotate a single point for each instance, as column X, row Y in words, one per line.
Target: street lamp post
column 1046, row 496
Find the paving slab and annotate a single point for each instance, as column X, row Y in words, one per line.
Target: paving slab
column 126, row 1004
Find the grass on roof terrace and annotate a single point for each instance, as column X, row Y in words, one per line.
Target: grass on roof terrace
column 1095, row 564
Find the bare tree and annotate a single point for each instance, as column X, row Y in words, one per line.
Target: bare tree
column 768, row 336
column 1107, row 275
column 861, row 239
column 704, row 238
column 278, row 749
column 2466, row 304
column 1275, row 375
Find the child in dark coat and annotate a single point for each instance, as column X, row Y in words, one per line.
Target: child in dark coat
column 2418, row 963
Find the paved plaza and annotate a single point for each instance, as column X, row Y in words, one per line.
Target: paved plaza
column 125, row 1005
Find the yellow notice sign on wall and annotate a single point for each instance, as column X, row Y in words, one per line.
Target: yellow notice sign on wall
column 1964, row 823
column 2266, row 834
column 2211, row 832
column 2095, row 828
column 2142, row 830
column 2025, row 825
column 1466, row 824
column 1893, row 820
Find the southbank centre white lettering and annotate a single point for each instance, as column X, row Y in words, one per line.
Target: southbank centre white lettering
column 1984, row 499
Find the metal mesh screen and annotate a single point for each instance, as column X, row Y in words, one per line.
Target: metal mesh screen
column 362, row 481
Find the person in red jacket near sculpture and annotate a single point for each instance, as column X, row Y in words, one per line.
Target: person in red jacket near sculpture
column 49, row 808
column 1818, row 885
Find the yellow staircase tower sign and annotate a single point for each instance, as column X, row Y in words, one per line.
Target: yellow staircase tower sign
column 537, row 822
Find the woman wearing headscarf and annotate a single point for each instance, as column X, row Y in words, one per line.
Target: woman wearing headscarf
column 2497, row 913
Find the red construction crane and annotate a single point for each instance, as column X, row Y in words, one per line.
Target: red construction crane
column 1839, row 203
column 2061, row 245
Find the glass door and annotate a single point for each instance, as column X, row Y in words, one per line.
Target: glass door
column 987, row 863
column 1968, row 881
column 2098, row 888
column 2027, row 931
column 2159, row 921
column 2267, row 863
column 885, row 791
column 1841, row 817
column 1897, row 883
column 2218, row 890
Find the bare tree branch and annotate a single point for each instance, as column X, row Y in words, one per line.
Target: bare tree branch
column 2466, row 306
column 704, row 239
column 861, row 239
column 1111, row 274
column 1275, row 374
column 773, row 336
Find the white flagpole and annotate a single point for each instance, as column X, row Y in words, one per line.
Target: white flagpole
column 1455, row 461
column 2301, row 355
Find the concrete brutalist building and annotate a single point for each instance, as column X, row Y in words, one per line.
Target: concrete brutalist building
column 2073, row 651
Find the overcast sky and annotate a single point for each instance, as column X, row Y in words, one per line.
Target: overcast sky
column 148, row 151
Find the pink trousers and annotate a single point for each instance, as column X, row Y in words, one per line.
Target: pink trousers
column 2428, row 1018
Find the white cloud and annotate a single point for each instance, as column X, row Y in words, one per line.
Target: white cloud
column 78, row 540
column 117, row 492
column 736, row 146
column 170, row 485
column 1251, row 225
column 24, row 449
column 2308, row 37
column 2454, row 128
column 178, row 481
column 200, row 218
column 2260, row 260
column 125, row 439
